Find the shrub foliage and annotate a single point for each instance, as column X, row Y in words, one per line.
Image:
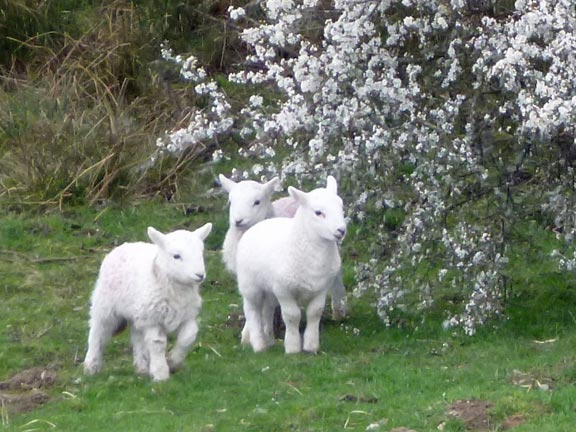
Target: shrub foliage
column 455, row 118
column 449, row 122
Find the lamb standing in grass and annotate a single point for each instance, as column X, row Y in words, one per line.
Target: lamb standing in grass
column 155, row 289
column 250, row 203
column 294, row 261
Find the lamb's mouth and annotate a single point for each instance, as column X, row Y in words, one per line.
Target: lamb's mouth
column 198, row 277
column 243, row 227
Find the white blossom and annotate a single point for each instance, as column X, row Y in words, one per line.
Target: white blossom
column 411, row 102
column 236, row 13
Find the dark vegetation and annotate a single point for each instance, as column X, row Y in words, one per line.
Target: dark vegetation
column 84, row 94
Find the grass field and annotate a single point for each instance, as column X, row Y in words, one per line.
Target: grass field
column 520, row 375
column 83, row 99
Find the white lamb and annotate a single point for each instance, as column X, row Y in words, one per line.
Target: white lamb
column 251, row 202
column 294, row 260
column 155, row 289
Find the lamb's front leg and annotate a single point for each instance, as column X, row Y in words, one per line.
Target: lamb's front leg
column 291, row 316
column 140, row 350
column 253, row 331
column 313, row 315
column 185, row 339
column 156, row 342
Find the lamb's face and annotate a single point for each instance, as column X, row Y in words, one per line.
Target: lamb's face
column 249, row 204
column 325, row 213
column 181, row 254
column 249, row 201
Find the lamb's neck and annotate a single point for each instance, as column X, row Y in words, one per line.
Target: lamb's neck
column 270, row 211
column 233, row 235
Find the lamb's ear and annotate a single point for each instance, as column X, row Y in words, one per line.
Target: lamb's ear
column 203, row 231
column 226, row 183
column 156, row 236
column 332, row 185
column 298, row 195
column 272, row 185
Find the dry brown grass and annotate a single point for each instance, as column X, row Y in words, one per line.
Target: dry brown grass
column 80, row 119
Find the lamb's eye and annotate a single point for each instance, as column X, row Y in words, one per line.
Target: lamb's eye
column 318, row 213
column 177, row 257
column 257, row 202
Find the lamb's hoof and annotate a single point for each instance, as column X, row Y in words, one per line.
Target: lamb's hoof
column 292, row 350
column 339, row 316
column 141, row 368
column 160, row 372
column 312, row 349
column 259, row 347
column 92, row 368
column 339, row 312
column 159, row 377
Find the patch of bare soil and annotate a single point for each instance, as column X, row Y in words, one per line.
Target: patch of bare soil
column 25, row 391
column 513, row 421
column 474, row 413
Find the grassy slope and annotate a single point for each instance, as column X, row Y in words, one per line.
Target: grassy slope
column 408, row 377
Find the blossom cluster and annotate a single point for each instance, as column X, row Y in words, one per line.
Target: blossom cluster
column 205, row 125
column 437, row 110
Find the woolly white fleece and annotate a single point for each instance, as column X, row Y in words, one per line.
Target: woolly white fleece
column 155, row 289
column 250, row 202
column 294, row 261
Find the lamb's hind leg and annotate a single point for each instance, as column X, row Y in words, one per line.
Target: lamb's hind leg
column 101, row 331
column 268, row 307
column 338, row 298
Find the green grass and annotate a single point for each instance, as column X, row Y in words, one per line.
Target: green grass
column 364, row 374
